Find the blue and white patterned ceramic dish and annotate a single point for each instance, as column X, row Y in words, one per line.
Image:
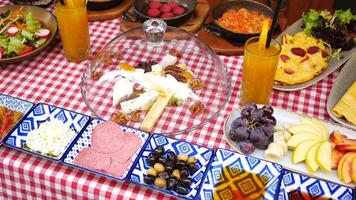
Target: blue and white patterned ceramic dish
column 225, row 182
column 84, row 140
column 39, row 114
column 202, row 154
column 298, row 186
column 15, row 104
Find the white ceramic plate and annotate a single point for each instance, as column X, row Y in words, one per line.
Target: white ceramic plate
column 342, row 83
column 285, row 117
column 333, row 63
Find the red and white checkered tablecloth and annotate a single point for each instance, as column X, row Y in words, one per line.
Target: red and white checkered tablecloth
column 51, row 79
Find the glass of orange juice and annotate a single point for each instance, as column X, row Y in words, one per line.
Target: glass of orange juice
column 72, row 20
column 259, row 68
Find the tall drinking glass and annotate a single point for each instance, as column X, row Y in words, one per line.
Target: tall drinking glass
column 72, row 20
column 259, row 68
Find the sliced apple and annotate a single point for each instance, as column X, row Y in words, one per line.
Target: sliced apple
column 323, row 156
column 353, row 170
column 309, row 121
column 310, row 160
column 346, row 168
column 316, row 124
column 300, row 151
column 294, row 140
column 336, row 156
column 305, row 128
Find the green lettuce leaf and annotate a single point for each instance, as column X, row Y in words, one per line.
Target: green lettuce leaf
column 4, row 42
column 345, row 16
column 32, row 24
column 28, row 35
column 16, row 45
column 311, row 19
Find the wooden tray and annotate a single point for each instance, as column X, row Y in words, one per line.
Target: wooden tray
column 193, row 24
column 222, row 46
column 111, row 13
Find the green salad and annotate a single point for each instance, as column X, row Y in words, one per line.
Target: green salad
column 20, row 33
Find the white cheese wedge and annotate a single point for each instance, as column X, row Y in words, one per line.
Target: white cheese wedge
column 123, row 88
column 143, row 102
column 168, row 60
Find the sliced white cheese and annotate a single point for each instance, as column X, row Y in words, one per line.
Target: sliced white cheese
column 122, row 89
column 140, row 103
column 156, row 67
column 168, row 60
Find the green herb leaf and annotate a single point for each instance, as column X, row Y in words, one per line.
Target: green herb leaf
column 345, row 16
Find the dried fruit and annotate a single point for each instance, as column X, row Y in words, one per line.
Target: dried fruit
column 117, row 55
column 135, row 116
column 175, row 53
column 127, row 67
column 284, row 58
column 96, row 75
column 298, row 51
column 177, row 76
column 313, row 49
column 173, row 68
column 289, row 71
column 197, row 108
column 120, row 118
column 196, row 84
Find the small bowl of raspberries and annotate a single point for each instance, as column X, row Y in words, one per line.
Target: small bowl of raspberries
column 173, row 12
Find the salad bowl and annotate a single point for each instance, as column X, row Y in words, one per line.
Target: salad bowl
column 48, row 21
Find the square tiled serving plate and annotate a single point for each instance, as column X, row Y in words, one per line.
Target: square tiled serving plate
column 84, row 140
column 202, row 154
column 41, row 113
column 15, row 104
column 224, row 182
column 298, row 186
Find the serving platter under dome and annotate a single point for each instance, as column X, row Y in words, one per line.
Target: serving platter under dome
column 132, row 47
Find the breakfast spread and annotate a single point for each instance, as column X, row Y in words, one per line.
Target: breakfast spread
column 152, row 86
column 346, row 106
column 111, row 150
column 20, row 33
column 8, row 119
column 242, row 20
column 50, row 138
column 170, row 171
column 302, row 58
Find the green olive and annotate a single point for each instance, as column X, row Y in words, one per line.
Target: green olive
column 158, row 167
column 183, row 157
column 176, row 173
column 160, row 182
column 192, row 159
column 152, row 171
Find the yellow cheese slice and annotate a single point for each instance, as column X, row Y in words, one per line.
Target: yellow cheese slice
column 155, row 112
column 346, row 107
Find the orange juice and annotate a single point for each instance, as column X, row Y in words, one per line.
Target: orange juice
column 259, row 68
column 74, row 31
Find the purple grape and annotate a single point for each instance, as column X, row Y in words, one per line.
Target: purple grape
column 238, row 122
column 232, row 135
column 256, row 135
column 267, row 110
column 274, row 121
column 246, row 147
column 250, row 107
column 256, row 115
column 242, row 133
column 245, row 113
column 268, row 130
column 263, row 144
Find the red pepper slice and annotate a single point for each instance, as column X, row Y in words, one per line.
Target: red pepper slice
column 26, row 51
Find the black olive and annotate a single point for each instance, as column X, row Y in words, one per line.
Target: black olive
column 180, row 164
column 164, row 175
column 151, row 161
column 186, row 182
column 159, row 150
column 162, row 160
column 181, row 190
column 171, row 156
column 171, row 183
column 169, row 169
column 192, row 168
column 153, row 155
column 149, row 179
column 184, row 172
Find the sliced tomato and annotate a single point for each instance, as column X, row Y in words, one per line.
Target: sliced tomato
column 26, row 51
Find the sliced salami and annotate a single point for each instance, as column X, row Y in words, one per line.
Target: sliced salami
column 132, row 144
column 108, row 137
column 89, row 158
